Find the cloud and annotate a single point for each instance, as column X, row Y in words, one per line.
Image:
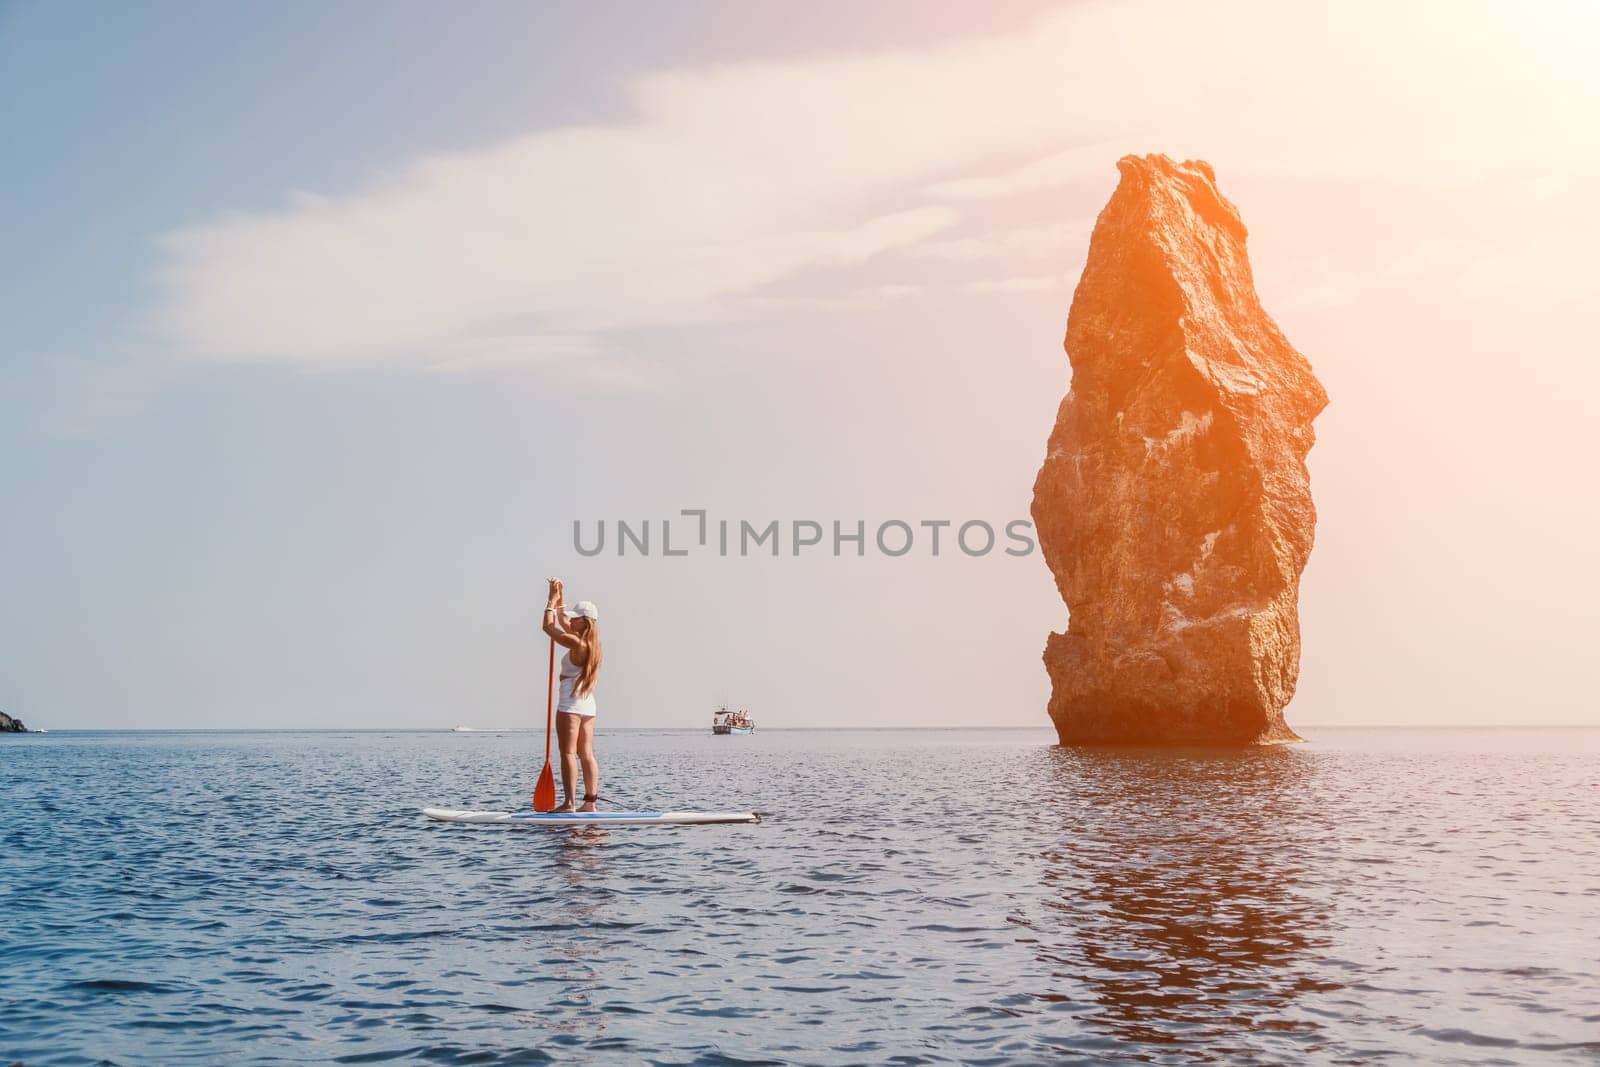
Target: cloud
column 512, row 351
column 1527, row 247
column 1051, row 242
column 863, row 299
column 730, row 178
column 1027, row 283
column 77, row 396
column 1047, row 173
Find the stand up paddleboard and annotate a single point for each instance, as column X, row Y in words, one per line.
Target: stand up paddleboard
column 589, row 818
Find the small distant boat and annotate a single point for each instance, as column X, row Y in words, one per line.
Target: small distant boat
column 724, row 721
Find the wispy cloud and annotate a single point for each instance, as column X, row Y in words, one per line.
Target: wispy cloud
column 863, row 299
column 511, row 351
column 1025, row 283
column 1047, row 173
column 1049, row 242
column 76, row 396
column 731, row 178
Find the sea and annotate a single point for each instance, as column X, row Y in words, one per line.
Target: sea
column 909, row 897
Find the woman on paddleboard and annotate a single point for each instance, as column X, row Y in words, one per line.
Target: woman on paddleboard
column 580, row 666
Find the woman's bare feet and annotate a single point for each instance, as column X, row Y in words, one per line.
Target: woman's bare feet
column 588, row 803
column 564, row 809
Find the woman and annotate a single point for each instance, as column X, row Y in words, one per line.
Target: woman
column 575, row 709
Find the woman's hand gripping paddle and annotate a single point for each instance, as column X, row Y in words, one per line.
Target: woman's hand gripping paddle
column 544, row 791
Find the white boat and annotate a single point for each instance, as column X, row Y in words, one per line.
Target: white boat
column 725, row 722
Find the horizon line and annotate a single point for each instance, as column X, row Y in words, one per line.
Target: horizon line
column 769, row 729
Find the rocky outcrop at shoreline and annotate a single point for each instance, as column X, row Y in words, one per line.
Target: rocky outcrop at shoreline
column 8, row 725
column 1174, row 507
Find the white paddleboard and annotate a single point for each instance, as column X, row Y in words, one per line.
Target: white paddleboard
column 588, row 818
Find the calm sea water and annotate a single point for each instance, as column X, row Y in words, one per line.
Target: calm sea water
column 911, row 897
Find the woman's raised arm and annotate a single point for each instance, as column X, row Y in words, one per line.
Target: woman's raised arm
column 553, row 608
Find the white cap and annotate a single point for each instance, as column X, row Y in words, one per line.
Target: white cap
column 585, row 608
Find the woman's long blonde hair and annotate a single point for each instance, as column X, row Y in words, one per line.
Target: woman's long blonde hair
column 590, row 642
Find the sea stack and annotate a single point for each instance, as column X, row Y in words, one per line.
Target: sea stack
column 1174, row 507
column 8, row 725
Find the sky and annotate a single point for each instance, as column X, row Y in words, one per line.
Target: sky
column 324, row 324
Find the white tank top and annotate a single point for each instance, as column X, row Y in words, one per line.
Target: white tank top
column 583, row 705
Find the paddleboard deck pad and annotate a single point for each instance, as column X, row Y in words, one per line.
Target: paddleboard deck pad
column 589, row 818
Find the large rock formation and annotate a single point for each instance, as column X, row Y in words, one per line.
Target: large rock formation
column 8, row 725
column 1173, row 507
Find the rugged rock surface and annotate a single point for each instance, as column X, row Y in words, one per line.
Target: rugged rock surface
column 1173, row 507
column 8, row 725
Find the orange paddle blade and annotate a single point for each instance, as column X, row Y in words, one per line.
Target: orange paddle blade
column 544, row 792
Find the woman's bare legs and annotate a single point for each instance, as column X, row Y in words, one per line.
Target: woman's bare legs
column 591, row 766
column 567, row 730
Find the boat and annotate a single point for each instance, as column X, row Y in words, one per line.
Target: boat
column 725, row 722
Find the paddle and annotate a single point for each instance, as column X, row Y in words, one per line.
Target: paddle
column 544, row 791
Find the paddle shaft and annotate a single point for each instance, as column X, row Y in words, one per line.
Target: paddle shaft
column 544, row 790
column 550, row 702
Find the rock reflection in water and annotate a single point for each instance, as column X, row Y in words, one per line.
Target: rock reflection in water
column 1173, row 913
